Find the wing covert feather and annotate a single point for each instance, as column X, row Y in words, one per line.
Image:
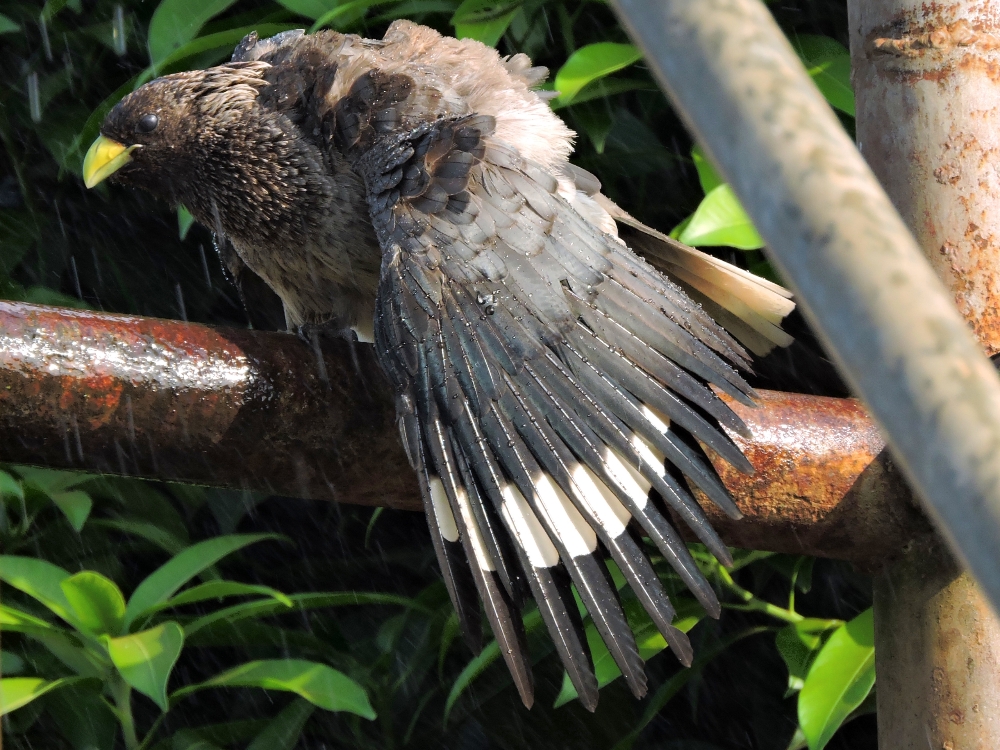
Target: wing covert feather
column 546, row 374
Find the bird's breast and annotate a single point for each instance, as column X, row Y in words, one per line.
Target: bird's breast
column 330, row 278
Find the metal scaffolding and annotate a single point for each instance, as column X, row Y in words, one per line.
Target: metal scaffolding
column 185, row 402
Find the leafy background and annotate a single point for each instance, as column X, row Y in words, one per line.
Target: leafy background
column 141, row 615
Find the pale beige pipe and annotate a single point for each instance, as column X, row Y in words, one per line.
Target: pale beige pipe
column 928, row 123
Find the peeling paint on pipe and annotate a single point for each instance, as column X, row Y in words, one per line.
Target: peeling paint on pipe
column 927, row 79
column 185, row 402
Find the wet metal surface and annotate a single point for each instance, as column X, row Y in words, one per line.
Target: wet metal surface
column 187, row 402
column 145, row 397
column 824, row 483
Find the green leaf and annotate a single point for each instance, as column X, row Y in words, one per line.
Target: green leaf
column 184, row 221
column 829, row 64
column 481, row 11
column 14, row 620
column 415, row 8
column 40, row 580
column 8, row 26
column 449, row 632
column 82, row 717
column 222, row 589
column 590, row 63
column 647, row 638
column 798, row 645
column 485, row 21
column 346, row 13
column 217, row 735
column 839, row 680
column 148, row 531
column 665, row 693
column 283, row 732
column 53, row 7
column 489, row 654
column 177, row 22
column 187, row 739
column 145, row 659
column 310, row 8
column 10, row 487
column 601, row 90
column 265, row 607
column 677, row 231
column 721, row 220
column 75, row 505
column 707, row 176
column 319, row 684
column 371, row 525
column 97, row 602
column 223, row 42
column 16, row 692
column 161, row 584
column 51, row 481
column 11, row 664
column 86, row 662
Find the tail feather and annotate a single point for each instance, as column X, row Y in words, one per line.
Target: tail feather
column 759, row 303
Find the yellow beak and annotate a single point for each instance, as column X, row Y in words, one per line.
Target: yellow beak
column 103, row 159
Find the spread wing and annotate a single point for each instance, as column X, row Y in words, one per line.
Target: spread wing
column 549, row 383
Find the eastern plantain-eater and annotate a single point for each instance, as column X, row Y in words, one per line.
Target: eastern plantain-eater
column 553, row 389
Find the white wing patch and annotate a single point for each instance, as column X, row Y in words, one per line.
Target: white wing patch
column 563, row 517
column 632, row 482
column 600, row 501
column 483, row 558
column 528, row 529
column 446, row 520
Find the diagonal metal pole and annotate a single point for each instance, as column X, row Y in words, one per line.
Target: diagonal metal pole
column 928, row 122
column 862, row 280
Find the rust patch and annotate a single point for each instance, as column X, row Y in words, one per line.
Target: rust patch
column 82, row 364
column 942, row 37
column 931, row 44
column 822, row 483
column 948, row 174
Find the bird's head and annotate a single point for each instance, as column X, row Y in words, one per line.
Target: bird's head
column 145, row 137
column 203, row 139
column 164, row 135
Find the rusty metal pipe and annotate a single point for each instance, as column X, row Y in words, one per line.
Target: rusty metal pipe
column 186, row 402
column 178, row 401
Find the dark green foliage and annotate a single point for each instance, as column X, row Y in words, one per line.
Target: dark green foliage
column 387, row 625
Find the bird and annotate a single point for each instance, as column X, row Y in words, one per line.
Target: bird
column 555, row 392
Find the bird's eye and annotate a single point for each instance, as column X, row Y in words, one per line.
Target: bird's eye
column 147, row 123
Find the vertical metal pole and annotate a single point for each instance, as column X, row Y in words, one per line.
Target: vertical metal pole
column 937, row 647
column 928, row 123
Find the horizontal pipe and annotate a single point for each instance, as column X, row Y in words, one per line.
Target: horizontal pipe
column 165, row 399
column 191, row 403
column 860, row 277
